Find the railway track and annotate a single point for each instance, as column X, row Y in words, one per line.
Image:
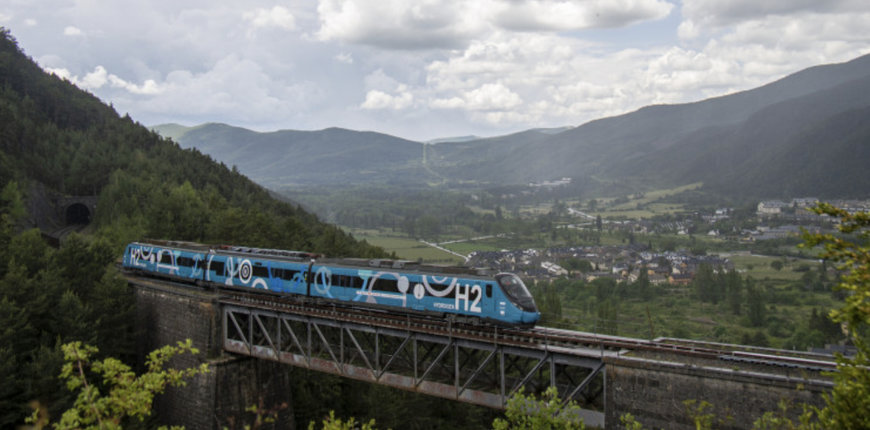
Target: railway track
column 562, row 340
column 547, row 337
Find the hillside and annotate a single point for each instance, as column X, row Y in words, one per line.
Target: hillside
column 67, row 141
column 704, row 141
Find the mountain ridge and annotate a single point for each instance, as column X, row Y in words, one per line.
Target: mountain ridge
column 659, row 145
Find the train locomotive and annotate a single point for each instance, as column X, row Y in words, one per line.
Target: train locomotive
column 454, row 293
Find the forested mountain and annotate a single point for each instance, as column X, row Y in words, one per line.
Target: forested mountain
column 57, row 137
column 333, row 156
column 782, row 139
column 748, row 143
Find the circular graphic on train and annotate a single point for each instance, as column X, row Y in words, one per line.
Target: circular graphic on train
column 419, row 291
column 246, row 271
column 439, row 281
column 403, row 284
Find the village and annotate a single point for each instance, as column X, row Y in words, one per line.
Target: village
column 773, row 219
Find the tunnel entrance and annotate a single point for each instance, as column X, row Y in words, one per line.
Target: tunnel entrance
column 78, row 213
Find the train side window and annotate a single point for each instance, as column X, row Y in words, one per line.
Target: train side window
column 439, row 287
column 165, row 258
column 184, row 261
column 260, row 272
column 218, row 267
column 285, row 274
column 488, row 290
column 390, row 285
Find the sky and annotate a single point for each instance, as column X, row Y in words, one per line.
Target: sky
column 425, row 69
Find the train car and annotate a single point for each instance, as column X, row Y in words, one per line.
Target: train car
column 452, row 292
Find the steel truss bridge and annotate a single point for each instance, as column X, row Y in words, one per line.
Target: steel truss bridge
column 485, row 365
column 479, row 365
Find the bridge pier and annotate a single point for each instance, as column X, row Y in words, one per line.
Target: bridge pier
column 653, row 391
column 166, row 315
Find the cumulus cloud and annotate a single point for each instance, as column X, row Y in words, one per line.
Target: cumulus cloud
column 72, row 31
column 488, row 97
column 99, row 77
column 376, row 99
column 555, row 15
column 470, row 66
column 277, row 16
column 396, row 24
column 345, row 58
column 716, row 14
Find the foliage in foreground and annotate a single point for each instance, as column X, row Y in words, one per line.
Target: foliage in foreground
column 110, row 392
column 546, row 413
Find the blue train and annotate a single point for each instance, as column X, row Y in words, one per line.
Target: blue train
column 451, row 292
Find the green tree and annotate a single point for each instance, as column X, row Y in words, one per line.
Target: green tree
column 333, row 423
column 848, row 406
column 127, row 396
column 547, row 413
column 755, row 307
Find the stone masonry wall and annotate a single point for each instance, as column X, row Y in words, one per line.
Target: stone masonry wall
column 654, row 392
column 166, row 315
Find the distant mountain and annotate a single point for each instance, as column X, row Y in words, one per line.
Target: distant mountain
column 706, row 141
column 332, row 156
column 801, row 135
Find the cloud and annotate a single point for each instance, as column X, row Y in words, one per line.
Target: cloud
column 278, row 17
column 72, row 31
column 554, row 15
column 344, row 57
column 396, row 24
column 376, row 99
column 99, row 77
column 488, row 97
column 716, row 14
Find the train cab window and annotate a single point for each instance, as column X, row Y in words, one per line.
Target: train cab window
column 516, row 291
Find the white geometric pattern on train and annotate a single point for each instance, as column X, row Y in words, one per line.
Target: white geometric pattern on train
column 400, row 285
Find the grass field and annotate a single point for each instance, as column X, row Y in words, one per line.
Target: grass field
column 405, row 248
column 643, row 206
column 758, row 266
